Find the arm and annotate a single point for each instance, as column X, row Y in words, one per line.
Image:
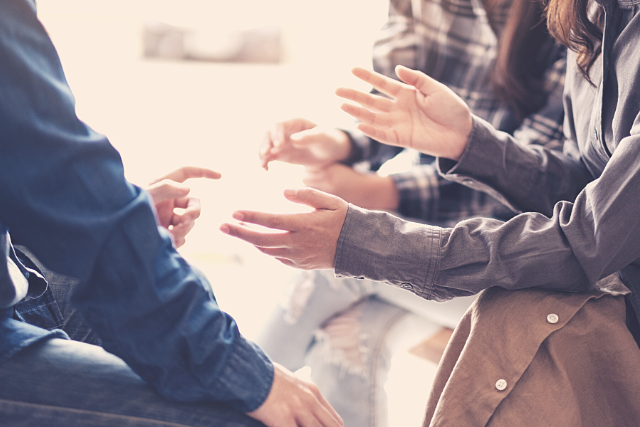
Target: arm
column 428, row 196
column 569, row 250
column 300, row 141
column 64, row 195
column 428, row 116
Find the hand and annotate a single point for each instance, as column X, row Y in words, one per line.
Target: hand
column 307, row 240
column 422, row 114
column 367, row 190
column 293, row 402
column 301, row 142
column 168, row 195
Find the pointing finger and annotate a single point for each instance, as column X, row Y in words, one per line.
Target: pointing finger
column 187, row 172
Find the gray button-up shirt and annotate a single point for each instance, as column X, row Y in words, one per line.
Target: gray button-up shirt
column 580, row 217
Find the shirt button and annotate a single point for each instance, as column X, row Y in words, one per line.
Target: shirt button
column 552, row 318
column 501, row 385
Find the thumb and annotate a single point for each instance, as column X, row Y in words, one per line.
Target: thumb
column 314, row 198
column 417, row 79
column 167, row 189
column 307, row 137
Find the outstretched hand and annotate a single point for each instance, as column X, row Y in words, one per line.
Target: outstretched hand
column 420, row 113
column 304, row 240
column 301, row 142
column 169, row 194
column 367, row 190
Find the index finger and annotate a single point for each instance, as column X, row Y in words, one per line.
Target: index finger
column 187, row 172
column 384, row 84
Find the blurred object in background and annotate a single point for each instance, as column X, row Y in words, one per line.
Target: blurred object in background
column 255, row 45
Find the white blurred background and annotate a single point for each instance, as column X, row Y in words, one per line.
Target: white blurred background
column 163, row 114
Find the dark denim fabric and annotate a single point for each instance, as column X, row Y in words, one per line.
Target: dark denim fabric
column 63, row 195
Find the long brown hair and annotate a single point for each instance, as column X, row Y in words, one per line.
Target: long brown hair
column 572, row 24
column 518, row 75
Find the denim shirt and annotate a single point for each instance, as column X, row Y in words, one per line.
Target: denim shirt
column 63, row 194
column 579, row 220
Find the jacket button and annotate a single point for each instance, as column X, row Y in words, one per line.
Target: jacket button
column 501, row 385
column 552, row 318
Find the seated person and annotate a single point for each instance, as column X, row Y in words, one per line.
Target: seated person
column 169, row 355
column 514, row 79
column 553, row 337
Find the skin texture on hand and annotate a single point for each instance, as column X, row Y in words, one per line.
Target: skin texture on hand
column 367, row 190
column 420, row 113
column 293, row 402
column 170, row 195
column 302, row 240
column 301, row 142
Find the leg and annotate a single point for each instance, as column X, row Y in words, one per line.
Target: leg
column 67, row 383
column 350, row 359
column 66, row 317
column 316, row 297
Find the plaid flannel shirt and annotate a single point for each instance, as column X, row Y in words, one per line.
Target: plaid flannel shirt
column 454, row 42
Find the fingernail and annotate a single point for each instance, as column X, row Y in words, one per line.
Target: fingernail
column 225, row 229
column 238, row 215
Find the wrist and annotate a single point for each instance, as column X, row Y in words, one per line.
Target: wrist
column 386, row 193
column 343, row 146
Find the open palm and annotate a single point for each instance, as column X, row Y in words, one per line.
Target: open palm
column 420, row 113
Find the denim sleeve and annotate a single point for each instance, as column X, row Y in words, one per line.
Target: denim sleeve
column 63, row 194
column 569, row 247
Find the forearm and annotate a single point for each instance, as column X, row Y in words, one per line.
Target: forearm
column 568, row 250
column 525, row 178
column 158, row 316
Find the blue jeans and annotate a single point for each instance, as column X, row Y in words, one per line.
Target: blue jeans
column 347, row 330
column 63, row 383
column 52, row 310
column 67, row 383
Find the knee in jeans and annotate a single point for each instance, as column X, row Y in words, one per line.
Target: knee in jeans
column 343, row 343
column 295, row 303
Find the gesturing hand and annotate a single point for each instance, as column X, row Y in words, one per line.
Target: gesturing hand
column 293, row 402
column 301, row 142
column 168, row 194
column 305, row 240
column 367, row 190
column 422, row 114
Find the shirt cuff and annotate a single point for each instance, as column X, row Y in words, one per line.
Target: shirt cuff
column 359, row 148
column 248, row 376
column 382, row 247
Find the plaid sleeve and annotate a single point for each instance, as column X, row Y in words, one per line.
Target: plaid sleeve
column 544, row 127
